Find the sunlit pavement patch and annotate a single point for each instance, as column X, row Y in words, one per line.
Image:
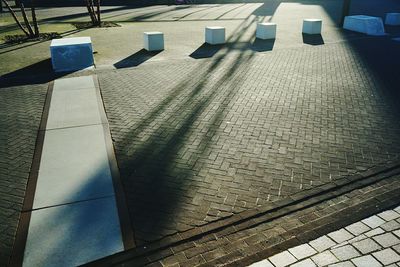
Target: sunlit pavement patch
column 373, row 241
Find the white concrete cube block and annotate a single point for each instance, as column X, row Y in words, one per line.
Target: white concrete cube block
column 392, row 19
column 153, row 41
column 312, row 26
column 70, row 54
column 364, row 24
column 266, row 31
column 215, row 35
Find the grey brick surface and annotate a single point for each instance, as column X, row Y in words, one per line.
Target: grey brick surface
column 324, row 258
column 304, row 263
column 374, row 232
column 367, row 245
column 397, row 232
column 345, row 253
column 387, row 256
column 197, row 141
column 373, row 221
column 387, row 240
column 343, row 264
column 282, row 259
column 397, row 248
column 389, row 215
column 390, row 226
column 357, row 228
column 340, row 236
column 367, row 260
column 20, row 114
column 302, row 251
column 322, row 243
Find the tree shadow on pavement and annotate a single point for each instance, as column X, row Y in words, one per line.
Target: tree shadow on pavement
column 156, row 179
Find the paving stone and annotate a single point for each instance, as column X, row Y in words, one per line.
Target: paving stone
column 397, row 209
column 374, row 232
column 387, row 256
column 367, row 245
column 322, row 243
column 357, row 228
column 340, row 236
column 304, row 263
column 324, row 258
column 389, row 215
column 397, row 248
column 345, row 253
column 397, row 232
column 357, row 238
column 373, row 221
column 390, row 226
column 343, row 264
column 387, row 240
column 282, row 259
column 263, row 263
column 302, row 251
column 367, row 260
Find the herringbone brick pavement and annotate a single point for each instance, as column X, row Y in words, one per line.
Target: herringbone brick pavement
column 197, row 141
column 20, row 114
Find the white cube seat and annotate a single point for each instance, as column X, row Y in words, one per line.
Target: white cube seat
column 153, row 41
column 215, row 35
column 266, row 31
column 392, row 19
column 71, row 54
column 312, row 26
column 364, row 24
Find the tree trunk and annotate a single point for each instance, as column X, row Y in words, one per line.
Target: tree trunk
column 98, row 13
column 91, row 11
column 15, row 17
column 27, row 24
column 34, row 20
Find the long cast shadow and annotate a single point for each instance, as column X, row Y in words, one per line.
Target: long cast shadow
column 136, row 59
column 313, row 39
column 206, row 51
column 37, row 73
column 260, row 45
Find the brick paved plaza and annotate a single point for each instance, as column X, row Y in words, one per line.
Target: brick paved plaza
column 229, row 155
column 198, row 142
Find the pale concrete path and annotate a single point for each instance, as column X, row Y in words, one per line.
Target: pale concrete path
column 372, row 242
column 74, row 218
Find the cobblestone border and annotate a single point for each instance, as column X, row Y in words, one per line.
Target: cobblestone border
column 252, row 218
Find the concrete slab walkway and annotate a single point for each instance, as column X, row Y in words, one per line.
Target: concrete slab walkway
column 74, row 217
